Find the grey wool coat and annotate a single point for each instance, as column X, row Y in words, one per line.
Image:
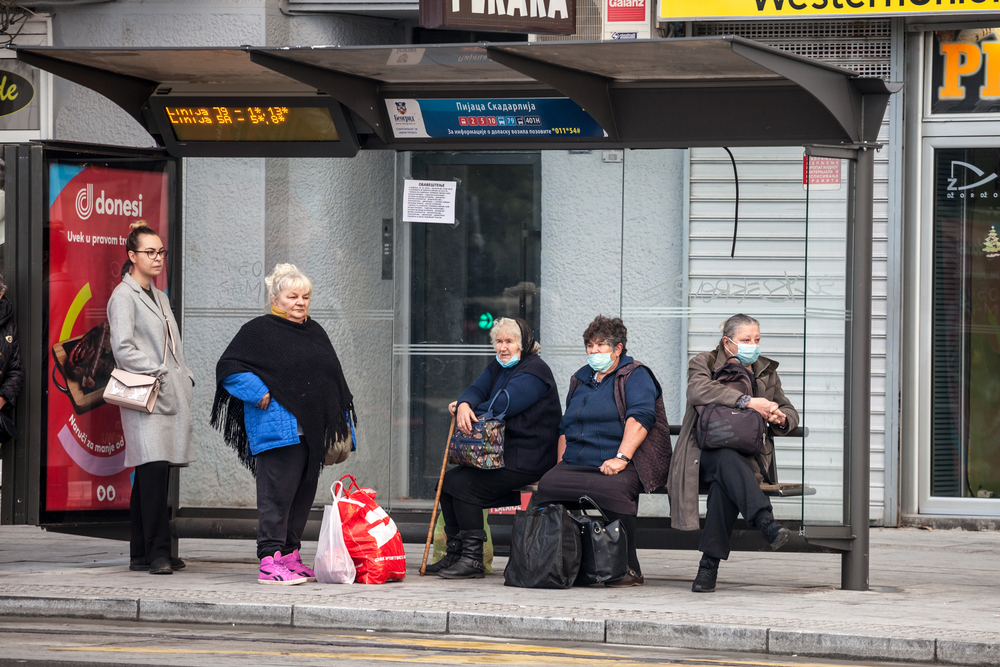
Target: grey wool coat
column 138, row 332
column 685, row 468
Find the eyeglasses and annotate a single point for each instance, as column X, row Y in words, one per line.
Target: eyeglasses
column 153, row 254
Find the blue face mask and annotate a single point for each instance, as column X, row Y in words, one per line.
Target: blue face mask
column 747, row 354
column 513, row 360
column 600, row 361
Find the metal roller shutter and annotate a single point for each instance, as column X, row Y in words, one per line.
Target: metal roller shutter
column 771, row 211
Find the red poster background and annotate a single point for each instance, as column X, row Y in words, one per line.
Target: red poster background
column 88, row 224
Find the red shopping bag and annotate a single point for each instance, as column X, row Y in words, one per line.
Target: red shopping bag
column 371, row 536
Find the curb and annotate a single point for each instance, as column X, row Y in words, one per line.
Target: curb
column 701, row 636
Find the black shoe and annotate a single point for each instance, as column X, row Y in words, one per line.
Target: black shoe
column 470, row 565
column 708, row 572
column 138, row 564
column 161, row 566
column 451, row 555
column 631, row 578
column 775, row 534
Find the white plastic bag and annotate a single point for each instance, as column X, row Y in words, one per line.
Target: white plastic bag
column 334, row 564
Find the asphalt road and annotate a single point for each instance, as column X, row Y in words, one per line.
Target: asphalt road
column 69, row 643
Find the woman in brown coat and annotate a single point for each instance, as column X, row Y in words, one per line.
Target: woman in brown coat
column 733, row 480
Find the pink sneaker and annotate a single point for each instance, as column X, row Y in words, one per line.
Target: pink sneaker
column 273, row 572
column 293, row 562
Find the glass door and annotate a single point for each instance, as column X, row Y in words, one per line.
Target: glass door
column 458, row 279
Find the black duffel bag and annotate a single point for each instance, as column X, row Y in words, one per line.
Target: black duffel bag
column 721, row 427
column 605, row 546
column 544, row 549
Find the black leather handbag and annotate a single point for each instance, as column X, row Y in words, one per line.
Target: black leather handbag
column 604, row 544
column 544, row 549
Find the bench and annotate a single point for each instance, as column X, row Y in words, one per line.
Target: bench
column 771, row 490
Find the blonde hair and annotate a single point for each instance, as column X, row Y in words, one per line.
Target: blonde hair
column 286, row 276
column 511, row 326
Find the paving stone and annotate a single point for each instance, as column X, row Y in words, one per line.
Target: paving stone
column 525, row 627
column 189, row 611
column 117, row 609
column 352, row 618
column 826, row 644
column 688, row 635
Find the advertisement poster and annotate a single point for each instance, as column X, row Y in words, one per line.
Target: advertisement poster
column 502, row 118
column 90, row 210
column 626, row 19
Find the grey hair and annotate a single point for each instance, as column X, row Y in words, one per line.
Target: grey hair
column 286, row 276
column 732, row 326
column 505, row 324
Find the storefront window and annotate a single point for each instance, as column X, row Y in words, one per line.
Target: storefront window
column 965, row 452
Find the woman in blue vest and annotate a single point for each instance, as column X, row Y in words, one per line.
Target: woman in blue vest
column 530, row 437
column 597, row 443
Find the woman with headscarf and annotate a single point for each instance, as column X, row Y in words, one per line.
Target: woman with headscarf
column 281, row 402
column 531, row 433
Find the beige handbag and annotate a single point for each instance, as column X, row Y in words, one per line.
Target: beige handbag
column 137, row 391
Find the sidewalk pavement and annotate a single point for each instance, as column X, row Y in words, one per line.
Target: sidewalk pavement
column 934, row 597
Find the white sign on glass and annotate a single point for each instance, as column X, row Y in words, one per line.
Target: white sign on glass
column 429, row 201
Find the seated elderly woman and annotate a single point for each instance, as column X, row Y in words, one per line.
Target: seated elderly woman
column 531, row 431
column 597, row 443
column 733, row 479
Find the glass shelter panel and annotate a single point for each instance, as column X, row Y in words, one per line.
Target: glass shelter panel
column 558, row 237
column 824, row 346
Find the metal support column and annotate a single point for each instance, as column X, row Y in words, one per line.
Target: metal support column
column 854, row 563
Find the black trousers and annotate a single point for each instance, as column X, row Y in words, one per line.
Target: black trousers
column 285, row 495
column 732, row 490
column 148, row 513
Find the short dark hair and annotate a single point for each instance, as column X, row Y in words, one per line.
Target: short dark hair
column 609, row 330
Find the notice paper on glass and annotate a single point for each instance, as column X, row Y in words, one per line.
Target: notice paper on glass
column 429, row 201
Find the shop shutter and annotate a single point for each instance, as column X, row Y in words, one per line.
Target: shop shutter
column 770, row 208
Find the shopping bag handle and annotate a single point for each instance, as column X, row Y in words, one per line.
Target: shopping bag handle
column 337, row 490
column 587, row 500
column 352, row 485
column 489, row 410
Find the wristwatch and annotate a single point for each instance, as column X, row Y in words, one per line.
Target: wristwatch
column 624, row 458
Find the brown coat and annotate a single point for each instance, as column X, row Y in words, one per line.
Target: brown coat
column 685, row 469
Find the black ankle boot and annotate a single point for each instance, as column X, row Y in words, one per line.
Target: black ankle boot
column 708, row 572
column 470, row 565
column 775, row 534
column 451, row 555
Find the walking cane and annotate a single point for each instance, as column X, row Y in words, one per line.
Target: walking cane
column 437, row 499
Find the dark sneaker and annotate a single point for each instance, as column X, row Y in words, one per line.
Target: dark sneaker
column 777, row 535
column 630, row 579
column 704, row 582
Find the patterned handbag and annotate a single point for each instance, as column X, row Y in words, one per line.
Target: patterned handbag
column 483, row 447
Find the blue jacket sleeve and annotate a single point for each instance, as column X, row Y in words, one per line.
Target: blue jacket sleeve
column 245, row 386
column 524, row 390
column 478, row 391
column 640, row 398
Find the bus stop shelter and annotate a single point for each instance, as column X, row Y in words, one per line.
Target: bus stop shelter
column 338, row 101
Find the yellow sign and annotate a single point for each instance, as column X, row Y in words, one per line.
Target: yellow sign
column 694, row 10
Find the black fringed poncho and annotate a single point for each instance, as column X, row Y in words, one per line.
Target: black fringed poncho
column 298, row 364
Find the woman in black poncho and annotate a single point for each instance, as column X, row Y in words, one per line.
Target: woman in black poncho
column 281, row 402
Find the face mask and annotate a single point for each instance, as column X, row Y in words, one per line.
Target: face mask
column 513, row 360
column 600, row 361
column 747, row 354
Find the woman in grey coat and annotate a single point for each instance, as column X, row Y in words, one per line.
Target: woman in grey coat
column 733, row 480
column 142, row 324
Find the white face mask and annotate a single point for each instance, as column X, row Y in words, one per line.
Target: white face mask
column 600, row 361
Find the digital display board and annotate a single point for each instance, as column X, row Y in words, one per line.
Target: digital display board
column 280, row 125
column 251, row 123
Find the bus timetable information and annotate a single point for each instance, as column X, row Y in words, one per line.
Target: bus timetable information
column 237, row 124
